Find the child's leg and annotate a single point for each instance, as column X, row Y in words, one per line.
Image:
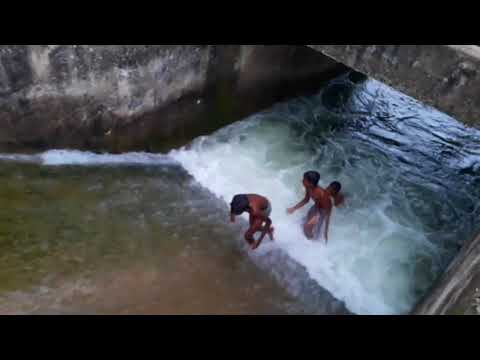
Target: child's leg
column 270, row 230
column 308, row 230
column 270, row 233
column 312, row 222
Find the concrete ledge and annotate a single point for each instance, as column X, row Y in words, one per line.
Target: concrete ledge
column 453, row 285
column 443, row 76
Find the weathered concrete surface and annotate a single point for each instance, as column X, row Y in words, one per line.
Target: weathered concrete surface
column 446, row 77
column 143, row 97
column 454, row 291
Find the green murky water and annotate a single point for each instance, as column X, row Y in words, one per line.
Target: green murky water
column 108, row 239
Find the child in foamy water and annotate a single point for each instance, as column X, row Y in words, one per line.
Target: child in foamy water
column 319, row 214
column 259, row 209
column 334, row 190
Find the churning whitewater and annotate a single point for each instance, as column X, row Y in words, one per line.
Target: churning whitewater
column 393, row 238
column 75, row 157
column 366, row 263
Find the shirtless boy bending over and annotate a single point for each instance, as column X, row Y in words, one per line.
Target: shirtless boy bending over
column 259, row 209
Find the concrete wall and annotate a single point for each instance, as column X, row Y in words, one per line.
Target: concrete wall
column 444, row 76
column 143, row 97
column 455, row 290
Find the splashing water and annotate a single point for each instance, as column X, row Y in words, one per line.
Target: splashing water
column 75, row 157
column 400, row 164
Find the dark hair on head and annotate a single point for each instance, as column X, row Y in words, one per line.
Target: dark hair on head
column 313, row 177
column 239, row 204
column 335, row 186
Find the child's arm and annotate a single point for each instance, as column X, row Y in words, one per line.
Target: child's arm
column 302, row 203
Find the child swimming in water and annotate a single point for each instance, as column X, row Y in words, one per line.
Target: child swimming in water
column 259, row 208
column 320, row 212
column 334, row 190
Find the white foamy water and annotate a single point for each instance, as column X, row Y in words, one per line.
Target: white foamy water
column 410, row 197
column 85, row 158
column 369, row 262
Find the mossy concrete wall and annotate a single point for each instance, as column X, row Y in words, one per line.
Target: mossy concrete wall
column 143, row 97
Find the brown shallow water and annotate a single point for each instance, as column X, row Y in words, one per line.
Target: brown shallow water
column 124, row 240
column 191, row 284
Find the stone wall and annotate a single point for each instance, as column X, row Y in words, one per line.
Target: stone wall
column 455, row 290
column 143, row 97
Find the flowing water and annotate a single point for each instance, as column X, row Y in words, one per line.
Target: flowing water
column 149, row 233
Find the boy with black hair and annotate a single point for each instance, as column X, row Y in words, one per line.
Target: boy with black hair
column 259, row 209
column 320, row 212
column 334, row 190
